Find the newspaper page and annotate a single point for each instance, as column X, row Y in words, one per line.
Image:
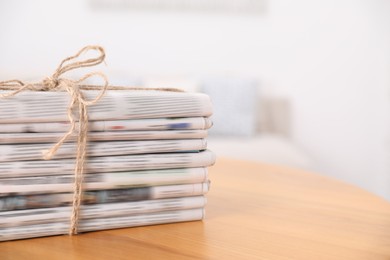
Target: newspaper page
column 26, row 152
column 7, row 138
column 101, row 181
column 59, row 228
column 17, row 218
column 109, row 164
column 156, row 124
column 48, row 106
column 33, row 201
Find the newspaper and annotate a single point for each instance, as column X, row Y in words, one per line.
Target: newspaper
column 157, row 124
column 18, row 202
column 61, row 214
column 109, row 164
column 49, row 106
column 24, row 152
column 59, row 228
column 101, row 181
column 7, row 138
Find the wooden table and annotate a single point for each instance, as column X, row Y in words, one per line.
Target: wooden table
column 255, row 211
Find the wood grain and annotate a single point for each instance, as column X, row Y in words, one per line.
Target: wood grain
column 255, row 211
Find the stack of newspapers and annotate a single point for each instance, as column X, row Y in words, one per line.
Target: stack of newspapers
column 146, row 161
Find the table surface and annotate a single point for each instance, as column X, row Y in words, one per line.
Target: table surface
column 254, row 211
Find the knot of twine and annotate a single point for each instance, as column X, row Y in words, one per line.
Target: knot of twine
column 77, row 106
column 49, row 83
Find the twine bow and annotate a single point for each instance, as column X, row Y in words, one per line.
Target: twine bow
column 77, row 106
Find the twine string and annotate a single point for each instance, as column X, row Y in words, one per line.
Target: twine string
column 78, row 104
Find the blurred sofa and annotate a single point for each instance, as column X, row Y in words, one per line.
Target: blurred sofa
column 251, row 125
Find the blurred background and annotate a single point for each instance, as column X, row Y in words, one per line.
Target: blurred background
column 298, row 83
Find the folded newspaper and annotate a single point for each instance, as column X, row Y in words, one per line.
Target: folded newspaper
column 146, row 157
column 147, row 162
column 27, row 107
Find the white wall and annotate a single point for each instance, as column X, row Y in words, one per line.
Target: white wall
column 337, row 69
column 332, row 58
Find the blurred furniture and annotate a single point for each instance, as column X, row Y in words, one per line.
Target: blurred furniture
column 255, row 211
column 235, row 104
column 251, row 125
column 265, row 148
